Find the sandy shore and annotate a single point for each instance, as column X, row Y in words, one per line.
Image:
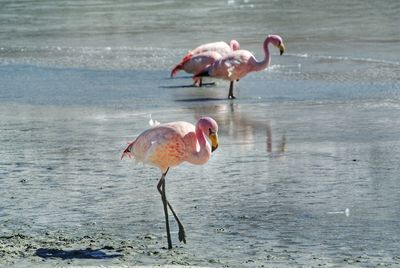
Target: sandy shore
column 58, row 249
column 101, row 250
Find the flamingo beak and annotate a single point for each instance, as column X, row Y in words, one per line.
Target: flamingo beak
column 214, row 141
column 281, row 48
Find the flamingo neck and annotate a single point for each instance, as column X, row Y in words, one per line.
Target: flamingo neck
column 261, row 65
column 201, row 156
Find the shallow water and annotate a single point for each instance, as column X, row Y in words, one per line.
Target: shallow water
column 307, row 168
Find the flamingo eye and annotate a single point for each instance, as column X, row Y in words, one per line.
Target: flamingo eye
column 210, row 131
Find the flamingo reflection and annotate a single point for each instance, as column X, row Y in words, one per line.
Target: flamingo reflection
column 242, row 127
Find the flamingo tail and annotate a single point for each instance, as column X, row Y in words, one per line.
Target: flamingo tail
column 179, row 66
column 128, row 151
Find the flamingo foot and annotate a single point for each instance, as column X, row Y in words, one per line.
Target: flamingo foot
column 182, row 234
column 197, row 82
column 230, row 95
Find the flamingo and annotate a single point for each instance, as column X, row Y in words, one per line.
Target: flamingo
column 202, row 56
column 221, row 47
column 168, row 145
column 196, row 63
column 239, row 63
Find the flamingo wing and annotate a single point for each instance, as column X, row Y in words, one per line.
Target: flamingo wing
column 220, row 47
column 163, row 146
column 200, row 61
column 166, row 152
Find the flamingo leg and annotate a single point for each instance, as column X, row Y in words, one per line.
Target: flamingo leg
column 201, row 82
column 230, row 96
column 181, row 233
column 161, row 187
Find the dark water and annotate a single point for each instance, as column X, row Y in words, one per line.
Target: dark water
column 307, row 168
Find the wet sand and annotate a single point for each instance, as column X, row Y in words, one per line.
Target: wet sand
column 299, row 179
column 307, row 170
column 103, row 250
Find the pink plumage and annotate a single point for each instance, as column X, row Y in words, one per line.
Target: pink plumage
column 196, row 63
column 168, row 145
column 239, row 63
column 220, row 47
column 204, row 55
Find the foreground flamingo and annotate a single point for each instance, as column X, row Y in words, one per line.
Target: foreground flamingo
column 199, row 58
column 239, row 63
column 168, row 145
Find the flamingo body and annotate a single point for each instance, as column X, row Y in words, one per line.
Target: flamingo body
column 197, row 62
column 203, row 55
column 168, row 145
column 220, row 47
column 239, row 63
column 233, row 66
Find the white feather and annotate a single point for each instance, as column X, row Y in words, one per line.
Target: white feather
column 152, row 122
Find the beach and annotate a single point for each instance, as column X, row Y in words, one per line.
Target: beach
column 306, row 173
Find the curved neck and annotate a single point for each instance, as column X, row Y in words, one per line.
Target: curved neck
column 201, row 156
column 261, row 65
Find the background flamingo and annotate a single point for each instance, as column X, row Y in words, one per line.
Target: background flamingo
column 196, row 63
column 239, row 63
column 202, row 56
column 168, row 145
column 220, row 47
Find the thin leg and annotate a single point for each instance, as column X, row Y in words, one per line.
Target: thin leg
column 269, row 137
column 181, row 233
column 201, row 82
column 230, row 96
column 161, row 184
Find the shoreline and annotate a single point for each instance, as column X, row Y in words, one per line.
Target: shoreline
column 101, row 250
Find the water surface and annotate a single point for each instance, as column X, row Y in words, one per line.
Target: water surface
column 307, row 168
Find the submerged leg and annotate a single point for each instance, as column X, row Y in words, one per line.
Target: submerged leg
column 161, row 184
column 181, row 233
column 230, row 96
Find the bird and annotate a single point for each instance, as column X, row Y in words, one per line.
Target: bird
column 202, row 56
column 239, row 63
column 196, row 63
column 170, row 144
column 221, row 47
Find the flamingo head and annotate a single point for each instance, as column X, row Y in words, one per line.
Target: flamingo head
column 234, row 45
column 210, row 129
column 277, row 41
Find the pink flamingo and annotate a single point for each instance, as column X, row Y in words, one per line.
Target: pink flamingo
column 202, row 56
column 239, row 63
column 220, row 47
column 168, row 145
column 196, row 63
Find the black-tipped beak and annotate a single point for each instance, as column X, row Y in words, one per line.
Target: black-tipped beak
column 281, row 48
column 213, row 148
column 214, row 141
